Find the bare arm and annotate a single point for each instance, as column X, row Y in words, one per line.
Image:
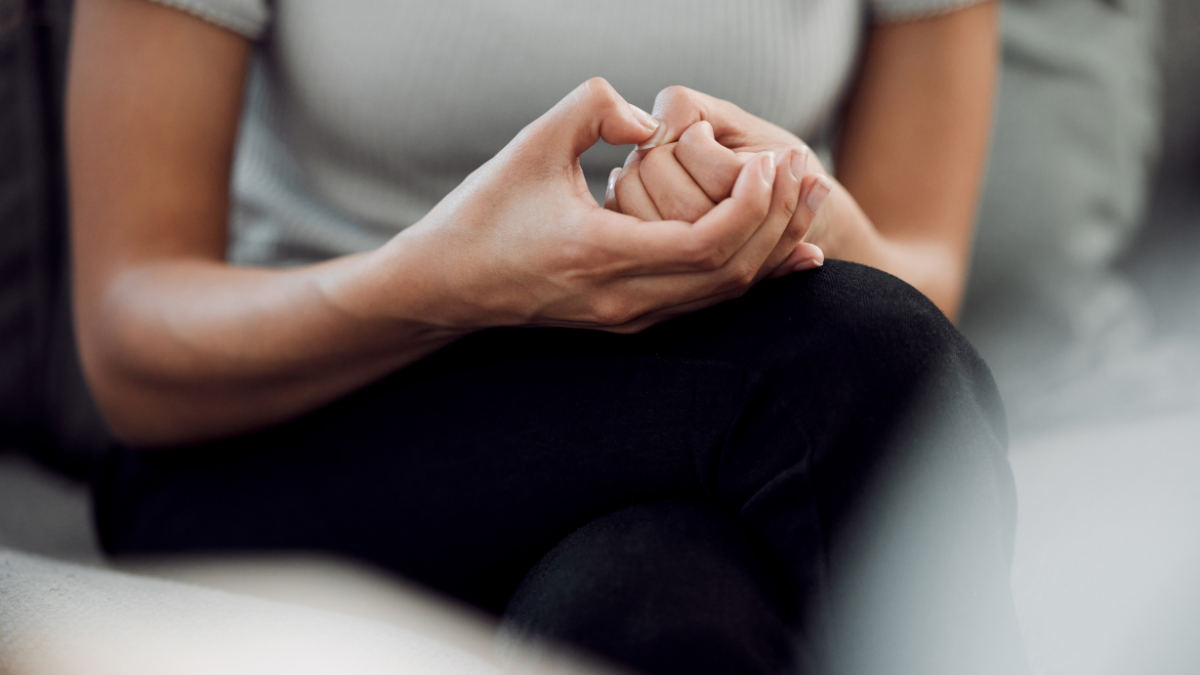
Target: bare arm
column 165, row 326
column 180, row 347
column 914, row 148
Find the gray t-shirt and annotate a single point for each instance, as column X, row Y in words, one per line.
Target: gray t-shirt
column 362, row 114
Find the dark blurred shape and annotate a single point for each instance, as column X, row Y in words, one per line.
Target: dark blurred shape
column 1164, row 262
column 45, row 407
column 1181, row 96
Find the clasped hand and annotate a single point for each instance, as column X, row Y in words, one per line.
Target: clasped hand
column 712, row 202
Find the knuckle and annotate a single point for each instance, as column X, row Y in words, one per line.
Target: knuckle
column 789, row 200
column 737, row 277
column 798, row 225
column 677, row 92
column 674, row 96
column 742, row 273
column 598, row 86
column 791, row 236
column 600, row 93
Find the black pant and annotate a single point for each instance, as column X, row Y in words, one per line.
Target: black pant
column 837, row 417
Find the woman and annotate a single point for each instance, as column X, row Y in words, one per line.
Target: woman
column 329, row 294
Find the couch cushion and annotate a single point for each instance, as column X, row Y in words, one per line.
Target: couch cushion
column 1076, row 132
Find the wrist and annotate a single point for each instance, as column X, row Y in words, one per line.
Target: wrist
column 384, row 296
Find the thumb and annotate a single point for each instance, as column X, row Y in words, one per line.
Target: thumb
column 593, row 111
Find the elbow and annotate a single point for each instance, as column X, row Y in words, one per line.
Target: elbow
column 117, row 398
column 136, row 401
column 140, row 416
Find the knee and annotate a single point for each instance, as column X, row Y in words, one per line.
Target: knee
column 866, row 310
column 864, row 335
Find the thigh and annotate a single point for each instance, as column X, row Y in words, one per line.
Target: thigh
column 462, row 470
column 460, row 473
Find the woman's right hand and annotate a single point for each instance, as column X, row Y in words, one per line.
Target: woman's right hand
column 522, row 242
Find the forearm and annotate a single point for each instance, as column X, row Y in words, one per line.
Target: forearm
column 936, row 267
column 183, row 351
column 913, row 148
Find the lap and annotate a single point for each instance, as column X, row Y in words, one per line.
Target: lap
column 462, row 470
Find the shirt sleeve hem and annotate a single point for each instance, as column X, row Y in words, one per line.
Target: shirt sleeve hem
column 246, row 26
column 886, row 15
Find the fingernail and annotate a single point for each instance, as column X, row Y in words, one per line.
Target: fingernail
column 818, row 193
column 768, row 168
column 645, row 118
column 612, row 182
column 800, row 161
column 655, row 140
column 806, row 265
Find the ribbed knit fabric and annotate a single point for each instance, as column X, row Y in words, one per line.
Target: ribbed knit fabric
column 363, row 114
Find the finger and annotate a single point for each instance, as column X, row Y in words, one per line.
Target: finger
column 713, row 166
column 773, row 241
column 727, row 228
column 804, row 257
column 800, row 163
column 610, row 192
column 678, row 108
column 745, row 266
column 765, row 197
column 799, row 223
column 673, row 190
column 630, row 192
column 593, row 111
column 676, row 247
column 814, row 191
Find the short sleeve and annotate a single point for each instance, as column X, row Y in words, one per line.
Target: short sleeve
column 246, row 17
column 892, row 11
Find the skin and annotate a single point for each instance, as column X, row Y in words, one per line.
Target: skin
column 910, row 160
column 180, row 347
column 685, row 179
